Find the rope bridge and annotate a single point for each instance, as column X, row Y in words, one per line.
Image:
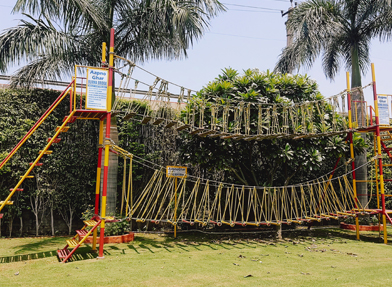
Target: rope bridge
column 251, row 119
column 198, row 201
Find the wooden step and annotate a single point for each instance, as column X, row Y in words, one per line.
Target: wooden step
column 129, row 116
column 183, row 127
column 56, row 140
column 170, row 124
column 90, row 223
column 81, row 233
column 46, row 152
column 230, row 136
column 63, row 130
column 72, row 243
column 18, row 189
column 72, row 120
column 115, row 113
column 145, row 120
column 218, row 135
column 111, row 219
column 8, row 202
column 37, row 164
column 206, row 133
column 62, row 253
column 29, row 176
column 196, row 131
column 158, row 121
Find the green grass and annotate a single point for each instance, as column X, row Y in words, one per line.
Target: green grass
column 325, row 257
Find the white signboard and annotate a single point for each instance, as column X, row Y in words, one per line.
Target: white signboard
column 383, row 111
column 176, row 171
column 96, row 89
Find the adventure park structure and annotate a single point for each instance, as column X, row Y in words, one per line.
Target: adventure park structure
column 173, row 197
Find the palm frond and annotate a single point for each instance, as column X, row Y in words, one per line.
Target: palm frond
column 331, row 57
column 74, row 14
column 29, row 39
column 313, row 24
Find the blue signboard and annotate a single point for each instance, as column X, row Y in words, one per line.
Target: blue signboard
column 97, row 89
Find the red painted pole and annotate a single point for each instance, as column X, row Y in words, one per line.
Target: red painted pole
column 380, row 169
column 107, row 144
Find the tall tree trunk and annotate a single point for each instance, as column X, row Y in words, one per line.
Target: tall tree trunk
column 358, row 114
column 21, row 226
column 10, row 225
column 70, row 219
column 52, row 219
column 36, row 224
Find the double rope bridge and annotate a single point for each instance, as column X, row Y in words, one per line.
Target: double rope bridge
column 252, row 118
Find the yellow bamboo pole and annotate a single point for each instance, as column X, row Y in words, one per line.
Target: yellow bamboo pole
column 175, row 207
column 129, row 206
column 379, row 155
column 350, row 125
column 123, row 185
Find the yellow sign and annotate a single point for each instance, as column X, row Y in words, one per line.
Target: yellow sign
column 176, row 171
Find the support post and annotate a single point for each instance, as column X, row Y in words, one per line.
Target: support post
column 107, row 145
column 175, row 208
column 350, row 137
column 379, row 155
column 98, row 185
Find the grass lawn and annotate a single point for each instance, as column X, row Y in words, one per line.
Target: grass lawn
column 323, row 257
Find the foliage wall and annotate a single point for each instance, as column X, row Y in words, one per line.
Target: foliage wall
column 66, row 181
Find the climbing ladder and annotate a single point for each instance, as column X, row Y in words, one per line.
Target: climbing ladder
column 75, row 242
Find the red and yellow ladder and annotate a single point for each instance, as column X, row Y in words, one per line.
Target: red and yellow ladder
column 75, row 242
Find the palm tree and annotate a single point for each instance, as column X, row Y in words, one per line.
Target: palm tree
column 340, row 30
column 60, row 34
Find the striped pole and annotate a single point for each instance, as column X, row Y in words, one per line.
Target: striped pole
column 107, row 145
column 379, row 154
column 350, row 136
column 98, row 185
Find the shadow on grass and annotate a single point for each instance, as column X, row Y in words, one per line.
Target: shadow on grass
column 351, row 235
column 26, row 257
column 85, row 253
column 36, row 246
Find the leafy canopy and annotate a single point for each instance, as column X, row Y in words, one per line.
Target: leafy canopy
column 339, row 30
column 60, row 34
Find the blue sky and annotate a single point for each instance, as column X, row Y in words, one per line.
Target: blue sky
column 242, row 38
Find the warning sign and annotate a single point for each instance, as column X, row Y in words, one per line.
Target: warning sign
column 176, row 171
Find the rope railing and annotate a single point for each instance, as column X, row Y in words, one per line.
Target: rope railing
column 247, row 120
column 203, row 201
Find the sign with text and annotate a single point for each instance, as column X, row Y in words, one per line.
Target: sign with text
column 97, row 89
column 383, row 111
column 176, row 171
